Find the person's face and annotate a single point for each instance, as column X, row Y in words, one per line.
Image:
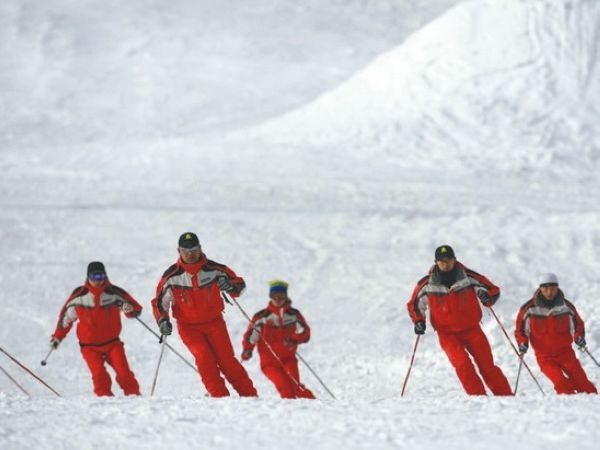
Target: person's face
column 279, row 298
column 445, row 264
column 190, row 255
column 549, row 292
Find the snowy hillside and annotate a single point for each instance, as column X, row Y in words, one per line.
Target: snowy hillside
column 82, row 71
column 513, row 84
column 353, row 154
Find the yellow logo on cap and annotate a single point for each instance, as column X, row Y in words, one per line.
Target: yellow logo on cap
column 443, row 250
column 188, row 236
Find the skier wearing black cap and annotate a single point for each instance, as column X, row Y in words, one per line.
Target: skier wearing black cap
column 96, row 306
column 191, row 290
column 452, row 294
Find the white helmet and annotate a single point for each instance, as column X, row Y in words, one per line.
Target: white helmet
column 548, row 279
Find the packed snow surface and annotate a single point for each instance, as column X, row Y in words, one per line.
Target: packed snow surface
column 330, row 144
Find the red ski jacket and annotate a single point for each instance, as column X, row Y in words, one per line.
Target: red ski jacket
column 452, row 309
column 282, row 328
column 551, row 327
column 97, row 310
column 192, row 291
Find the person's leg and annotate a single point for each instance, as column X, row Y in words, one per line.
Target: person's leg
column 220, row 343
column 100, row 377
column 478, row 346
column 196, row 342
column 462, row 364
column 301, row 391
column 281, row 380
column 550, row 368
column 125, row 377
column 572, row 368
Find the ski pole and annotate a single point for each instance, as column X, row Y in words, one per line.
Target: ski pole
column 590, row 355
column 15, row 381
column 412, row 360
column 45, row 360
column 230, row 300
column 162, row 351
column 29, row 372
column 518, row 374
column 515, row 350
column 168, row 346
column 315, row 374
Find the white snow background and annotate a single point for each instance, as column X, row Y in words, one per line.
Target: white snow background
column 332, row 144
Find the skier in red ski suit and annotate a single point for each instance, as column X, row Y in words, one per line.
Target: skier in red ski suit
column 96, row 306
column 277, row 330
column 551, row 323
column 191, row 288
column 452, row 293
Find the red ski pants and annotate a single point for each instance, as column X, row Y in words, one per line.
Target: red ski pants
column 287, row 379
column 114, row 355
column 211, row 346
column 472, row 343
column 566, row 373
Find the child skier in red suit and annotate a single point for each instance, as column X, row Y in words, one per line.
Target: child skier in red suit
column 551, row 323
column 97, row 306
column 278, row 330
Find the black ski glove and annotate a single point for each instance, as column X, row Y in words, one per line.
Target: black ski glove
column 523, row 348
column 580, row 342
column 54, row 342
column 420, row 327
column 165, row 327
column 225, row 285
column 485, row 298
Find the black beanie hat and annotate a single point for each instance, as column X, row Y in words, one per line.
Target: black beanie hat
column 188, row 240
column 95, row 267
column 444, row 251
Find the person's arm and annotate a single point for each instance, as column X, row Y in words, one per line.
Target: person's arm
column 302, row 333
column 418, row 302
column 417, row 306
column 130, row 307
column 66, row 318
column 228, row 281
column 252, row 335
column 487, row 292
column 578, row 325
column 161, row 303
column 522, row 330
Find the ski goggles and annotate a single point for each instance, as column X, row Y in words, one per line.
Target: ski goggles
column 190, row 250
column 97, row 276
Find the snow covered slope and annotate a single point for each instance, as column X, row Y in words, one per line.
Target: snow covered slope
column 79, row 71
column 480, row 130
column 509, row 83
